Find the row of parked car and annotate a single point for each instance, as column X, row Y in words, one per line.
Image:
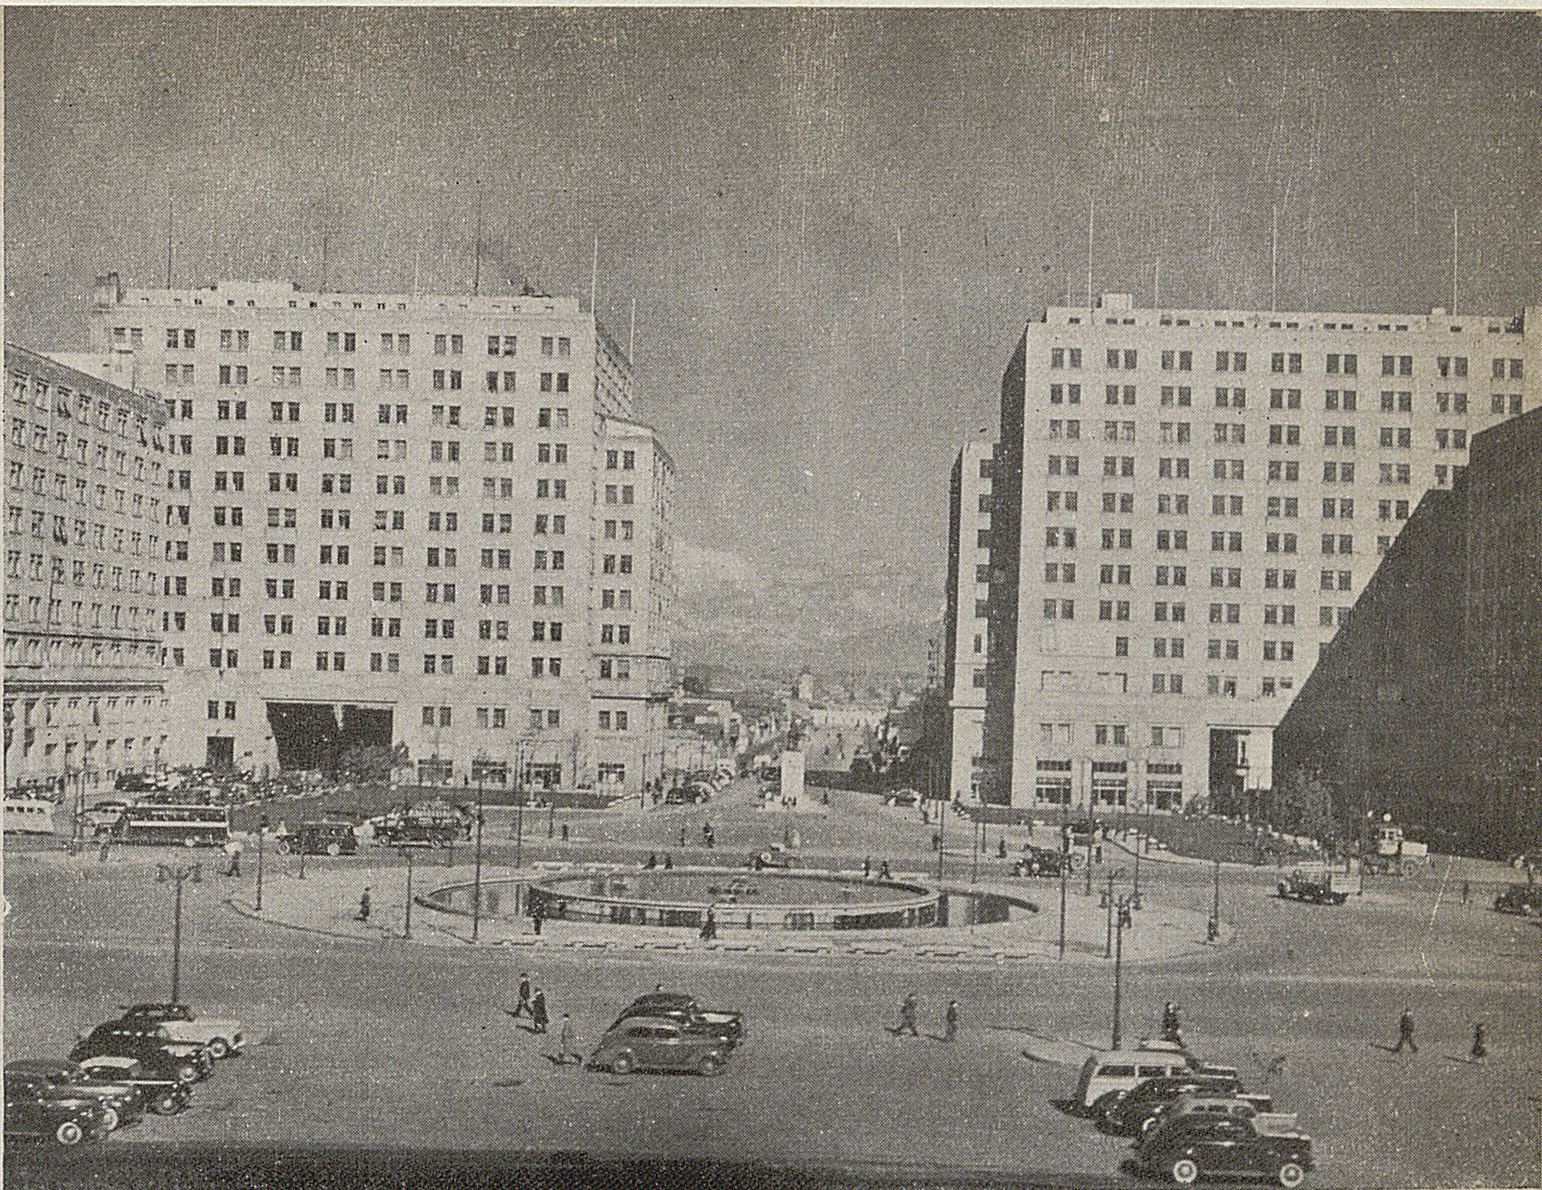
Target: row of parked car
column 1192, row 1121
column 146, row 1060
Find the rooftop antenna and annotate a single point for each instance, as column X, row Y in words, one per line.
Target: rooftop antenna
column 1091, row 210
column 1454, row 214
column 168, row 238
column 631, row 330
column 1274, row 257
column 416, row 248
column 476, row 268
column 594, row 273
column 325, row 242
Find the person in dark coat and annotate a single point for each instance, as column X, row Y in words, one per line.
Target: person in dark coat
column 524, row 995
column 908, row 1017
column 1479, row 1043
column 538, row 1015
column 1405, row 1033
column 364, row 904
column 950, row 1021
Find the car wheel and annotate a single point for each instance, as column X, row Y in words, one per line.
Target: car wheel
column 334, row 849
column 1290, row 1175
column 166, row 1104
column 1148, row 1125
column 69, row 1133
column 110, row 1118
column 622, row 1063
column 1185, row 1172
column 1103, row 1105
column 187, row 1072
column 283, row 847
column 219, row 1048
column 709, row 1065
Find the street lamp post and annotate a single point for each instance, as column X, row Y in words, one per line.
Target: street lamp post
column 169, row 873
column 262, row 830
column 1121, row 923
column 1214, row 929
column 976, row 841
column 1065, row 865
column 476, row 887
column 407, row 931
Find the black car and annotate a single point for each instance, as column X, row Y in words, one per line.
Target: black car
column 727, row 1027
column 187, row 1064
column 36, row 1109
column 1127, row 1114
column 162, row 1093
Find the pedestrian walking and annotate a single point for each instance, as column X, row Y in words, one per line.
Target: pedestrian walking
column 668, row 863
column 567, row 1043
column 682, row 836
column 524, row 996
column 538, row 1017
column 908, row 1017
column 709, row 926
column 883, row 871
column 1405, row 1033
column 867, row 867
column 1172, row 1023
column 363, row 914
column 1466, row 891
column 1479, row 1043
column 101, row 855
column 950, row 1021
column 233, row 856
column 536, row 916
column 1001, row 848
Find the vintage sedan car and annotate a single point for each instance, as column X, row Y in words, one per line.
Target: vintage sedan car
column 223, row 1036
column 1127, row 1114
column 162, row 1093
column 659, row 1043
column 122, row 1103
column 1203, row 1148
column 774, row 856
column 1327, row 888
column 1524, row 899
column 683, row 1010
column 1043, row 861
column 1242, row 1105
column 37, row 1109
column 144, row 1041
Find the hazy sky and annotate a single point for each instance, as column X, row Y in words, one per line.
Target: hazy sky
column 834, row 223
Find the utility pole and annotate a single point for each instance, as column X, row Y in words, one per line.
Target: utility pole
column 476, row 887
column 262, row 830
column 407, row 932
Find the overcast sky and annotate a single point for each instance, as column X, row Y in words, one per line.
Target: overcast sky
column 834, row 223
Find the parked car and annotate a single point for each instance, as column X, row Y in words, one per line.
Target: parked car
column 775, row 856
column 728, row 1027
column 1107, row 1074
column 1043, row 861
column 162, row 1093
column 190, row 1062
column 122, row 1103
column 1525, row 899
column 103, row 816
column 38, row 1109
column 1326, row 888
column 658, row 1043
column 223, row 1036
column 1126, row 1115
column 1083, row 832
column 1244, row 1106
column 1198, row 1147
column 904, row 797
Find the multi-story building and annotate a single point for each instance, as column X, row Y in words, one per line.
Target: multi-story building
column 968, row 580
column 1426, row 706
column 84, row 525
column 402, row 520
column 1186, row 505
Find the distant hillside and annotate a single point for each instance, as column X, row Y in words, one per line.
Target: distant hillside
column 870, row 620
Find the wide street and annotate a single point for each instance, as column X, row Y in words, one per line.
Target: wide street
column 367, row 1039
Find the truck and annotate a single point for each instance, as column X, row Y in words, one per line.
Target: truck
column 1315, row 888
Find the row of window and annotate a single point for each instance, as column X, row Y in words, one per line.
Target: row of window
column 1285, row 362
column 391, row 343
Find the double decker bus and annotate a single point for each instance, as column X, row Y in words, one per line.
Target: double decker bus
column 29, row 816
column 189, row 826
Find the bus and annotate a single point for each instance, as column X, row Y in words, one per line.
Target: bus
column 190, row 826
column 28, row 816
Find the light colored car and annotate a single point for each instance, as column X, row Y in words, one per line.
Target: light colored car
column 659, row 1043
column 223, row 1037
column 1107, row 1074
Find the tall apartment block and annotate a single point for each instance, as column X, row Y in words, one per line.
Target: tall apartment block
column 968, row 581
column 1186, row 504
column 398, row 519
column 84, row 566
